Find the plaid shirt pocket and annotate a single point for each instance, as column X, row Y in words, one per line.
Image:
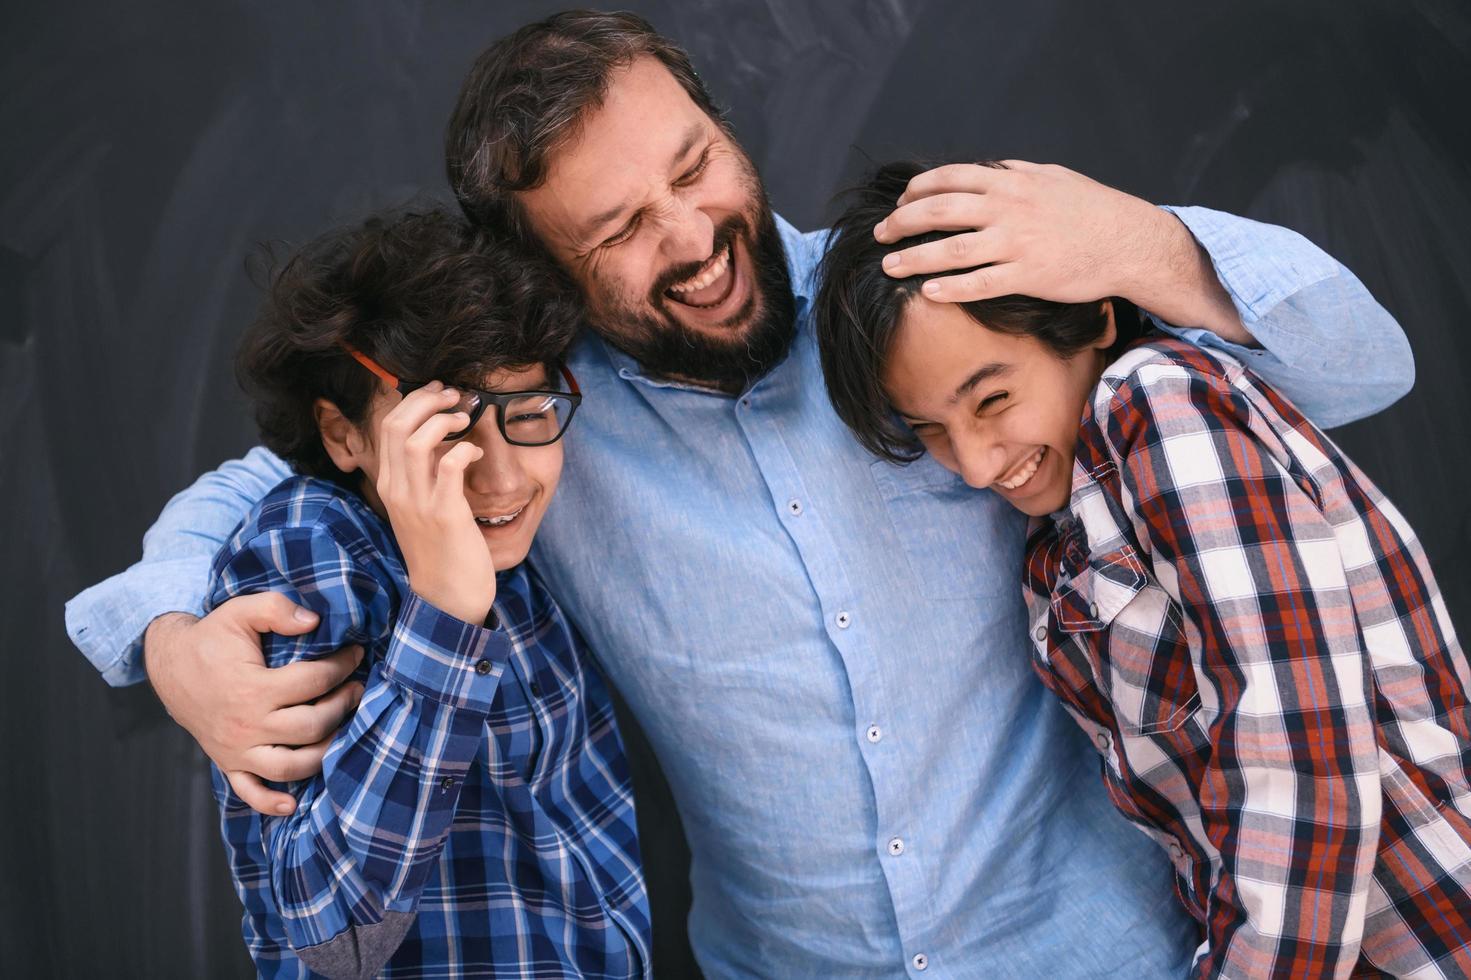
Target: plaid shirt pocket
column 1149, row 684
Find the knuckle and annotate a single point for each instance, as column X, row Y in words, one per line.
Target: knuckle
column 957, row 246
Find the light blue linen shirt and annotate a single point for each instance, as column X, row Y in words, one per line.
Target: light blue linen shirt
column 828, row 653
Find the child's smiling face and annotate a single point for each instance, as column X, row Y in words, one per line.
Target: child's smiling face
column 1001, row 410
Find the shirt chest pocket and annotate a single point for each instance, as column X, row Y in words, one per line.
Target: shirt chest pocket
column 959, row 543
column 1132, row 631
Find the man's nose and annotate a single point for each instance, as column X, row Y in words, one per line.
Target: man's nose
column 690, row 231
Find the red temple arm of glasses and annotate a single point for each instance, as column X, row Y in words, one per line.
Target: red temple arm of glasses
column 393, row 382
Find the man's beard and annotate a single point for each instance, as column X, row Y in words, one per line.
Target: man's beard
column 665, row 347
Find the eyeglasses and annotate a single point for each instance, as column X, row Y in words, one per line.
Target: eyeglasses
column 525, row 418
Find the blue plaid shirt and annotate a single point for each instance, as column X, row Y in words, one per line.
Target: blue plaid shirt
column 475, row 817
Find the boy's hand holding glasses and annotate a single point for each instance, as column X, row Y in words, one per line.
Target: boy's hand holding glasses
column 421, row 483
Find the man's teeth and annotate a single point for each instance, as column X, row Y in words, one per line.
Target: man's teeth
column 1028, row 470
column 712, row 272
column 498, row 521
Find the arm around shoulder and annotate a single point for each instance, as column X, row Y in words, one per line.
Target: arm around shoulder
column 107, row 621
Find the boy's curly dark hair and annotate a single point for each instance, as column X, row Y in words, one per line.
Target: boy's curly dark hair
column 419, row 292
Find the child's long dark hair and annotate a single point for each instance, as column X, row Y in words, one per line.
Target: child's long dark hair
column 859, row 305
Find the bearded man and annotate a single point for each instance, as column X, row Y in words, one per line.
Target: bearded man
column 835, row 681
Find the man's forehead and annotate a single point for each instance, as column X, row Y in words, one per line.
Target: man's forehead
column 645, row 124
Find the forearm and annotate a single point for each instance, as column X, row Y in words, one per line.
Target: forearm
column 1312, row 330
column 1173, row 278
column 107, row 621
column 349, row 866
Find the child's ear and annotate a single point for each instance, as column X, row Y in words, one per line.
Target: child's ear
column 342, row 440
column 1110, row 328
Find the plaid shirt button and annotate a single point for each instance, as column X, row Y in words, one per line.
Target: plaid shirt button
column 482, row 668
column 1041, row 634
column 1101, row 740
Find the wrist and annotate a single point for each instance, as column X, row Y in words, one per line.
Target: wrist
column 156, row 638
column 456, row 602
column 1174, row 279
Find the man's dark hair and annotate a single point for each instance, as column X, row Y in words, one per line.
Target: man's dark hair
column 419, row 292
column 527, row 94
column 858, row 308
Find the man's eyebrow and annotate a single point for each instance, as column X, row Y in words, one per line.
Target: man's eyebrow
column 985, row 372
column 597, row 221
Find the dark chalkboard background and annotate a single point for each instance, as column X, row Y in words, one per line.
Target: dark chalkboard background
column 148, row 146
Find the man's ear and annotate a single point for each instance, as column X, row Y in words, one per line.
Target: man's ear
column 1110, row 328
column 342, row 440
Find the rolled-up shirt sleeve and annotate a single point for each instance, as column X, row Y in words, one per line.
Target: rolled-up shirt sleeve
column 107, row 620
column 1326, row 342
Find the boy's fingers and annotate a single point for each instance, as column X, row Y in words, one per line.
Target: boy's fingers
column 305, row 681
column 450, row 483
column 421, row 448
column 401, row 421
column 303, row 724
column 258, row 796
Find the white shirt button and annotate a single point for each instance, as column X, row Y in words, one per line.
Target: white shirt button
column 874, row 733
column 794, row 507
column 1041, row 633
column 921, row 962
column 843, row 620
column 1101, row 740
column 896, row 846
column 1093, row 610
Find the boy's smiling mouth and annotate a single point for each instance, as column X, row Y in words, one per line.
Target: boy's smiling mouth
column 1028, row 469
column 500, row 520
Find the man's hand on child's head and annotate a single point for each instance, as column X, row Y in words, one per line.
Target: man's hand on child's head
column 1045, row 231
column 254, row 722
column 422, row 486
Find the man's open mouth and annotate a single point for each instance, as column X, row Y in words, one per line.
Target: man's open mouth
column 711, row 286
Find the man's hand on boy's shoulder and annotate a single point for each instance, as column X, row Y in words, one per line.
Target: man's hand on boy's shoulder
column 254, row 722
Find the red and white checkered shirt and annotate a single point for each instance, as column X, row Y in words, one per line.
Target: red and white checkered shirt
column 1251, row 635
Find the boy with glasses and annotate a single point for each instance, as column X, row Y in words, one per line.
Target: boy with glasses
column 475, row 815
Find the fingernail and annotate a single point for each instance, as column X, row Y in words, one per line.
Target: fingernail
column 891, row 261
column 880, row 229
column 284, row 808
column 303, row 615
column 931, row 288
